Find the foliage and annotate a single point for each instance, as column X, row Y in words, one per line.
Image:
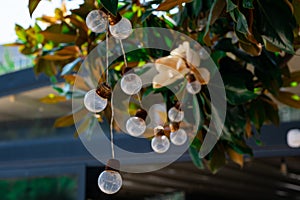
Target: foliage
column 60, row 188
column 251, row 42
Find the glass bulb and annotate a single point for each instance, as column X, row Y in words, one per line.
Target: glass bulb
column 96, row 20
column 175, row 115
column 193, row 87
column 131, row 84
column 93, row 102
column 160, row 144
column 110, row 181
column 122, row 29
column 178, row 137
column 204, row 53
column 135, row 126
column 293, row 138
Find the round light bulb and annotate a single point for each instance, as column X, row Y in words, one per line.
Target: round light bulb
column 178, row 137
column 110, row 181
column 131, row 84
column 97, row 21
column 122, row 29
column 93, row 102
column 193, row 87
column 135, row 126
column 293, row 138
column 175, row 115
column 160, row 144
column 204, row 53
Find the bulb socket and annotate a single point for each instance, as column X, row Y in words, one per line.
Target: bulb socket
column 104, row 90
column 159, row 131
column 113, row 164
column 141, row 113
column 114, row 19
column 190, row 78
column 178, row 105
column 126, row 69
column 174, row 126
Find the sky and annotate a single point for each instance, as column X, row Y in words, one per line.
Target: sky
column 16, row 12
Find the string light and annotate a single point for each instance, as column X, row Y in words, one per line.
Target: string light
column 160, row 142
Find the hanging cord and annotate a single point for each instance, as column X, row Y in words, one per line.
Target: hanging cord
column 123, row 52
column 111, row 129
column 112, row 107
column 107, row 64
column 126, row 65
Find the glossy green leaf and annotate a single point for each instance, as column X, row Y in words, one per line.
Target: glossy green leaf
column 32, row 6
column 248, row 4
column 217, row 160
column 110, row 5
column 276, row 28
column 236, row 90
column 194, row 154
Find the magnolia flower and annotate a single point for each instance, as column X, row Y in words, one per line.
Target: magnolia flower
column 181, row 61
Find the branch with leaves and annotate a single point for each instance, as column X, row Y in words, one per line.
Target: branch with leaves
column 251, row 42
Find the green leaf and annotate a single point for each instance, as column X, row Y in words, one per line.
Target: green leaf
column 274, row 27
column 238, row 17
column 230, row 6
column 218, row 159
column 68, row 68
column 215, row 11
column 32, row 6
column 271, row 110
column 248, row 4
column 296, row 5
column 194, row 154
column 21, row 33
column 236, row 90
column 257, row 113
column 111, row 6
column 241, row 147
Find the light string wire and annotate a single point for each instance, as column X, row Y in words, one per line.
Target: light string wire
column 112, row 107
column 126, row 65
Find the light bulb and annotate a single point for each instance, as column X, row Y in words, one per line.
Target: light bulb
column 94, row 102
column 175, row 115
column 97, row 21
column 178, row 137
column 293, row 138
column 122, row 29
column 135, row 126
column 160, row 143
column 193, row 87
column 204, row 53
column 131, row 84
column 110, row 180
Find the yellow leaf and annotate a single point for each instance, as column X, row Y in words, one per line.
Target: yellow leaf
column 270, row 47
column 251, row 48
column 288, row 98
column 168, row 4
column 56, row 57
column 52, row 99
column 69, row 50
column 59, row 37
column 236, row 157
column 64, row 121
column 83, row 126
